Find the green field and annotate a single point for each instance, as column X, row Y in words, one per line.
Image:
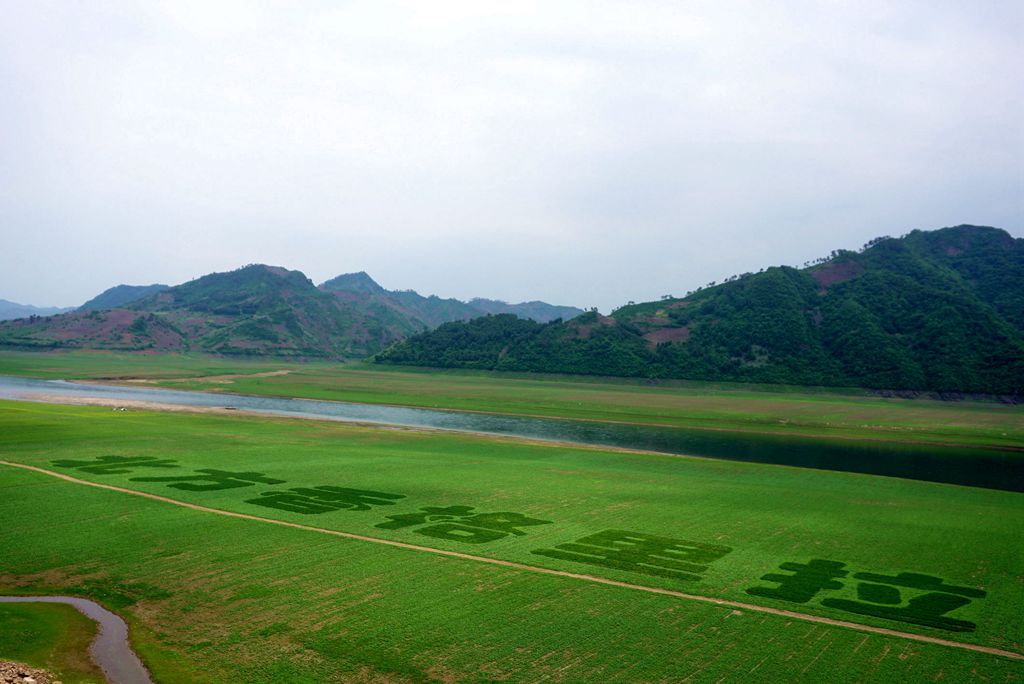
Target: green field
column 852, row 414
column 221, row 599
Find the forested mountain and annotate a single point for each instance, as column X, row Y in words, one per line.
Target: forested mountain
column 119, row 295
column 940, row 310
column 417, row 312
column 429, row 312
column 254, row 310
column 11, row 310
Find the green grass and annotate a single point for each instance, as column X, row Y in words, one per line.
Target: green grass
column 110, row 365
column 222, row 599
column 49, row 636
column 722, row 406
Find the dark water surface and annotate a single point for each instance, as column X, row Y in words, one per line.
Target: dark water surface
column 110, row 649
column 988, row 468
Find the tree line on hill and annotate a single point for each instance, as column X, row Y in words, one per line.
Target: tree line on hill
column 933, row 310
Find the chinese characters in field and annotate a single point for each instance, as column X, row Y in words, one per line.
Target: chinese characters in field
column 906, row 597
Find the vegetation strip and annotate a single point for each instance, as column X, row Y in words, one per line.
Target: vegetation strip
column 548, row 571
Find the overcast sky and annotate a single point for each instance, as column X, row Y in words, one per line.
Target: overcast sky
column 585, row 153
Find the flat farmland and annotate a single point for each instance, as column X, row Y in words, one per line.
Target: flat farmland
column 212, row 597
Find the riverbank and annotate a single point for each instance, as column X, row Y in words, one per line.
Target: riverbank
column 47, row 641
column 780, row 410
column 109, row 649
column 998, row 468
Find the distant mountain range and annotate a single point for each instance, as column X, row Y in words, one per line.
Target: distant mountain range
column 10, row 310
column 255, row 310
column 432, row 311
column 938, row 310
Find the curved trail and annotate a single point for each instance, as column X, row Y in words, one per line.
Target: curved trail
column 541, row 570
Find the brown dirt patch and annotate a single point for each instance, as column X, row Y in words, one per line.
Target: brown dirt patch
column 583, row 331
column 16, row 673
column 127, row 403
column 215, row 379
column 836, row 272
column 656, row 337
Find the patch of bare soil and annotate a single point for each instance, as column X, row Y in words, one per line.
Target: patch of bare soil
column 215, row 379
column 126, row 403
column 221, row 378
column 583, row 331
column 830, row 274
column 656, row 337
column 16, row 673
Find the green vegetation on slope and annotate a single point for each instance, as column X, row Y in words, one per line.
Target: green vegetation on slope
column 257, row 310
column 931, row 311
column 420, row 312
column 253, row 311
column 216, row 599
column 121, row 295
column 53, row 637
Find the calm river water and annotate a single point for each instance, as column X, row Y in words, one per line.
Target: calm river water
column 989, row 468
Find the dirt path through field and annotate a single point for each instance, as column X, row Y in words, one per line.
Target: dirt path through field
column 226, row 379
column 532, row 568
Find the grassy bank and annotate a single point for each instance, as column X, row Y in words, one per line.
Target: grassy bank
column 211, row 598
column 49, row 636
column 776, row 410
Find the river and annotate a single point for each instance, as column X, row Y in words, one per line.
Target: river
column 973, row 467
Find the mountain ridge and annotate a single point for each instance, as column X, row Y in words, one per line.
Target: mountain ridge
column 933, row 310
column 431, row 311
column 120, row 295
column 254, row 310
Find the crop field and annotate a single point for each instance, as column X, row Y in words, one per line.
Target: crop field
column 244, row 549
column 816, row 412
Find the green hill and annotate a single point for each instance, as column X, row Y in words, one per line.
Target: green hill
column 409, row 310
column 121, row 295
column 255, row 310
column 940, row 310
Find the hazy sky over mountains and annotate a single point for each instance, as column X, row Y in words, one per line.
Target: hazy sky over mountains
column 583, row 153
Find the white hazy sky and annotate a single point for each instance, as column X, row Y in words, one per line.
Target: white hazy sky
column 584, row 153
